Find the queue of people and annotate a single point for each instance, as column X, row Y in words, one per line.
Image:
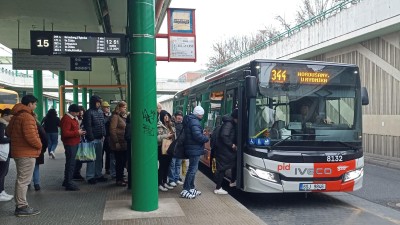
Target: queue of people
column 109, row 133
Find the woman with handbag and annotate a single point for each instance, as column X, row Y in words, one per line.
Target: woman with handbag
column 5, row 148
column 117, row 141
column 166, row 134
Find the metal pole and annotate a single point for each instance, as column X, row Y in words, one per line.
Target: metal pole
column 84, row 98
column 61, row 81
column 54, row 104
column 142, row 60
column 38, row 92
column 75, row 91
column 90, row 93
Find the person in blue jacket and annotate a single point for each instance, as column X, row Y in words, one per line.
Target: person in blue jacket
column 194, row 148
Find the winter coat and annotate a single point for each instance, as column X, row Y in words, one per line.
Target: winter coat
column 70, row 130
column 93, row 120
column 117, row 132
column 163, row 133
column 43, row 139
column 3, row 138
column 23, row 132
column 194, row 137
column 51, row 124
column 225, row 155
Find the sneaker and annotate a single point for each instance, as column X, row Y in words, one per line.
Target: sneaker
column 168, row 186
column 172, row 184
column 220, row 192
column 53, row 156
column 37, row 187
column 195, row 192
column 4, row 197
column 92, row 181
column 101, row 179
column 78, row 178
column 26, row 211
column 179, row 182
column 162, row 188
column 232, row 184
column 72, row 188
column 187, row 194
column 5, row 194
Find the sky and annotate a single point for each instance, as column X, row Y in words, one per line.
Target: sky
column 218, row 20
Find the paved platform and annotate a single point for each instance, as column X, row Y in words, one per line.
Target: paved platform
column 105, row 203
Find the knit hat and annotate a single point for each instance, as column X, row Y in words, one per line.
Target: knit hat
column 234, row 114
column 198, row 110
column 73, row 108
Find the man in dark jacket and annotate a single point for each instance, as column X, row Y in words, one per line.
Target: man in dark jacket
column 93, row 122
column 226, row 151
column 175, row 166
column 194, row 148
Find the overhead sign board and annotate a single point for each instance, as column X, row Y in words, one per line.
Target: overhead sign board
column 23, row 60
column 77, row 44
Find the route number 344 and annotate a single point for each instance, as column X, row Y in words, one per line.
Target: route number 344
column 42, row 43
column 334, row 158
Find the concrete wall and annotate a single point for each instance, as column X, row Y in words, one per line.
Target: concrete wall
column 379, row 62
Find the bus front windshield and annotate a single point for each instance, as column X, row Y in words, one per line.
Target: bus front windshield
column 300, row 102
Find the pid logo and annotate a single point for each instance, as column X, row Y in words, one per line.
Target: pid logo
column 284, row 166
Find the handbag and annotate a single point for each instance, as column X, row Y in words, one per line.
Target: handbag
column 165, row 145
column 4, row 151
column 86, row 151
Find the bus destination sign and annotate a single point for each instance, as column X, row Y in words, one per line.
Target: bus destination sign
column 77, row 44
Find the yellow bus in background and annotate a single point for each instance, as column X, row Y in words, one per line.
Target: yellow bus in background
column 8, row 98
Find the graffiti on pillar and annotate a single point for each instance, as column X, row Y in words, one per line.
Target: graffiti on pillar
column 149, row 122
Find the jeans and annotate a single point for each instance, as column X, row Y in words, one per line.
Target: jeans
column 3, row 173
column 36, row 175
column 25, row 168
column 53, row 141
column 191, row 172
column 70, row 154
column 94, row 169
column 112, row 164
column 174, row 170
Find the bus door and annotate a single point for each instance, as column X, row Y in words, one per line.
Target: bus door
column 231, row 102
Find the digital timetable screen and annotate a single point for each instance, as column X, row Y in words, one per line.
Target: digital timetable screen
column 77, row 44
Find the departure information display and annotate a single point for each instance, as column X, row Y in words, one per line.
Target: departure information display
column 77, row 44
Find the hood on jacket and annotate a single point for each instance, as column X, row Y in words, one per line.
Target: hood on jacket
column 162, row 115
column 19, row 108
column 3, row 121
column 227, row 118
column 93, row 100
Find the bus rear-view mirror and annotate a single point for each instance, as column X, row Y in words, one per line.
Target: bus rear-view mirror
column 364, row 96
column 251, row 86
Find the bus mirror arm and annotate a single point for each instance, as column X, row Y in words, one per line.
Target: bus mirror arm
column 364, row 96
column 251, row 86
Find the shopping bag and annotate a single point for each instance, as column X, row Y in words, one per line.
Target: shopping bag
column 165, row 145
column 86, row 151
column 4, row 151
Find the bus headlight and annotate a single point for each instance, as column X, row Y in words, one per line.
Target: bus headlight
column 354, row 174
column 265, row 175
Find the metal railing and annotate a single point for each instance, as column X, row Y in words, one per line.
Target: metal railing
column 328, row 13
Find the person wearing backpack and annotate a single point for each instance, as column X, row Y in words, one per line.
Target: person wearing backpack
column 225, row 152
column 175, row 166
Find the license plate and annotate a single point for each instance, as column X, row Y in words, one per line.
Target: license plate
column 312, row 187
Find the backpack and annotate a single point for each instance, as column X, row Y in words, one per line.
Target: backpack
column 215, row 136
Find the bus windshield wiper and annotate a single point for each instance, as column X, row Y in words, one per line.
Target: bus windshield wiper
column 302, row 135
column 352, row 147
